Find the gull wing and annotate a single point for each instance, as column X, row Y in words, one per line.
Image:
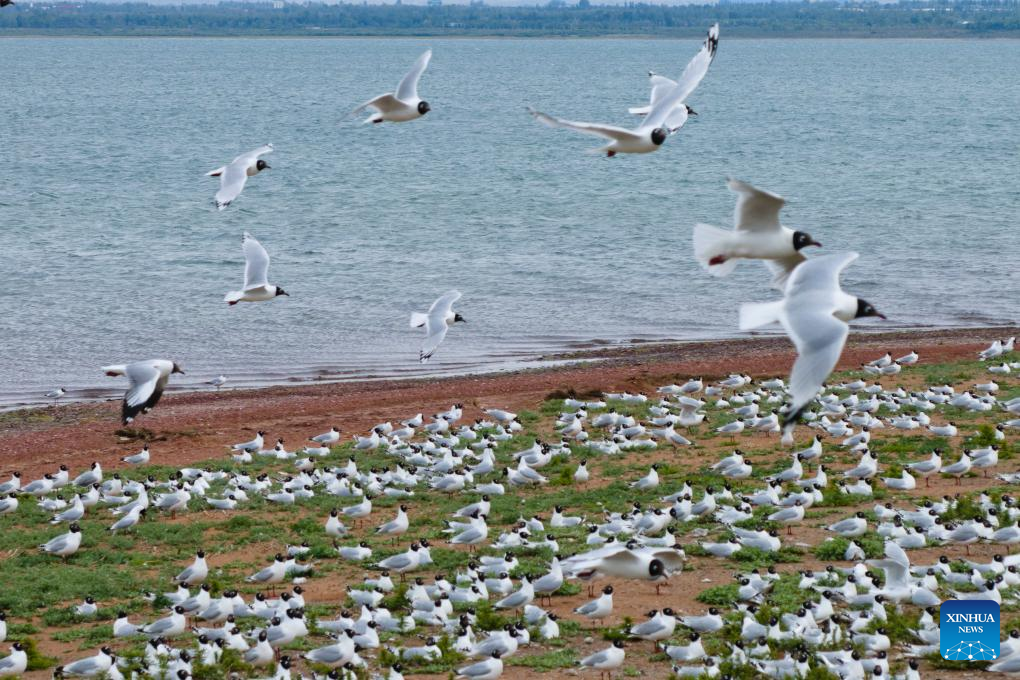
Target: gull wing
column 697, row 67
column 606, row 131
column 147, row 384
column 256, row 263
column 756, row 210
column 384, row 103
column 408, row 89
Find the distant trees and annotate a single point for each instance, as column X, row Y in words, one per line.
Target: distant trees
column 906, row 19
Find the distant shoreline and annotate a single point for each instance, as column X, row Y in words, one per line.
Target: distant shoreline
column 197, row 424
column 7, row 35
column 575, row 19
column 567, row 354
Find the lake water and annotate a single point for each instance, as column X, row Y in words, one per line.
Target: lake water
column 906, row 151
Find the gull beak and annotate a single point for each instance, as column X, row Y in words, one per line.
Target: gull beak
column 268, row 166
column 815, row 243
column 880, row 315
column 691, row 112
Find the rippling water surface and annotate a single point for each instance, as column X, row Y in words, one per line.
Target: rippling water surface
column 904, row 151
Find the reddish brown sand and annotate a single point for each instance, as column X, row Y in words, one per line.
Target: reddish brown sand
column 189, row 427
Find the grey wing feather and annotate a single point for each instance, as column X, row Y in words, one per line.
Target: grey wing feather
column 57, row 544
column 782, row 269
column 397, row 561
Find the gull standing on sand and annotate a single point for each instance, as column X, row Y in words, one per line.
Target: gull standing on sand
column 814, row 312
column 139, row 458
column 436, row 322
column 256, row 275
column 692, row 76
column 404, row 104
column 607, row 660
column 665, row 117
column 757, row 234
column 234, row 176
column 148, row 380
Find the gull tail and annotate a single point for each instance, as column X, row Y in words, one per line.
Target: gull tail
column 115, row 369
column 233, row 297
column 418, row 319
column 758, row 314
column 709, row 243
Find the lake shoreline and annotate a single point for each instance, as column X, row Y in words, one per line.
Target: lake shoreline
column 192, row 426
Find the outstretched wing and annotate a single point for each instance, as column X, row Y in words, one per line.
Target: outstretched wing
column 252, row 156
column 256, row 263
column 756, row 210
column 442, row 306
column 408, row 88
column 232, row 182
column 146, row 388
column 436, row 333
column 697, row 67
column 384, row 103
column 605, row 131
column 660, row 86
column 782, row 269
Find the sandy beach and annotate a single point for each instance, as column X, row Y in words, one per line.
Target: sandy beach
column 189, row 427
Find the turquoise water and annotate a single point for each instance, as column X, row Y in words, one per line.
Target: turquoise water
column 905, row 151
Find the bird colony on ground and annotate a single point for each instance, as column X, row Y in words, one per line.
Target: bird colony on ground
column 475, row 596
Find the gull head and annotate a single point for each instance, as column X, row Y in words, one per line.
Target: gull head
column 802, row 239
column 423, row 108
column 177, row 369
column 690, row 111
column 261, row 165
column 458, row 317
column 281, row 291
column 659, row 136
column 865, row 308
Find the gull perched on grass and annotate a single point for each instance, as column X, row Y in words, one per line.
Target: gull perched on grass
column 404, row 104
column 256, row 275
column 436, row 323
column 148, row 380
column 234, row 176
column 65, row 545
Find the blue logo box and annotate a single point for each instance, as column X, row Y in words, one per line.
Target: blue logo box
column 969, row 630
